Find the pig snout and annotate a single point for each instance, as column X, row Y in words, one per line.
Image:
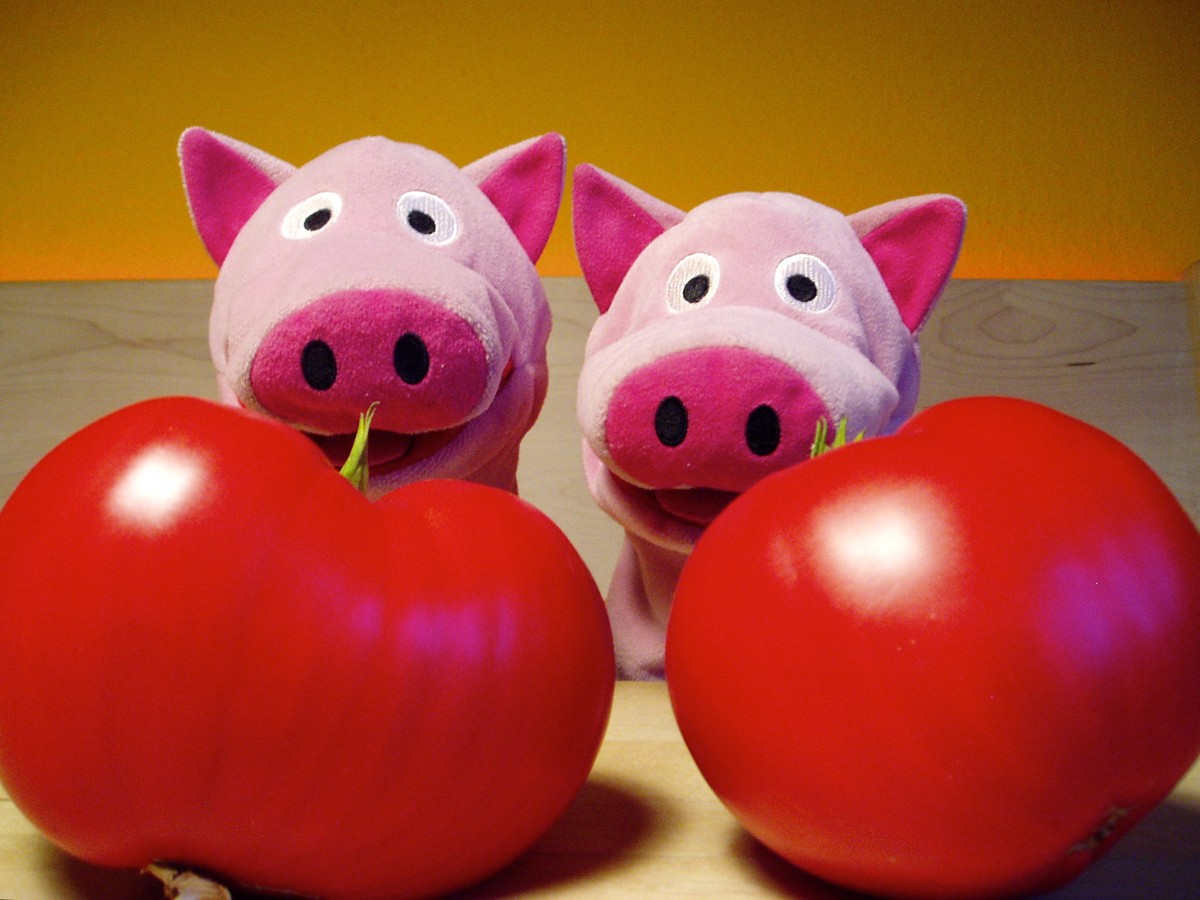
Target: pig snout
column 322, row 366
column 715, row 417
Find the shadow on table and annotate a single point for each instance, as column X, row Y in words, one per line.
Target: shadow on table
column 781, row 878
column 603, row 828
column 604, row 825
column 1159, row 858
column 608, row 825
column 89, row 882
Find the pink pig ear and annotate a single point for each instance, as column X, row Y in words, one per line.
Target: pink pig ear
column 914, row 243
column 225, row 181
column 614, row 222
column 525, row 182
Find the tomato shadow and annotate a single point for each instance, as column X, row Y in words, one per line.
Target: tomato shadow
column 85, row 881
column 780, row 877
column 605, row 825
column 1159, row 858
column 602, row 829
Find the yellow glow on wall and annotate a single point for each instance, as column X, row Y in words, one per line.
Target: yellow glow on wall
column 1071, row 129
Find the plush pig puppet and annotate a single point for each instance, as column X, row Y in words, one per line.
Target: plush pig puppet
column 381, row 272
column 725, row 334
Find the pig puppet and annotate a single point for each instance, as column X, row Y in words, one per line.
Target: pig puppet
column 725, row 334
column 381, row 272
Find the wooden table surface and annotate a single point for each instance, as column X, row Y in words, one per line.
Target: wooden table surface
column 1122, row 356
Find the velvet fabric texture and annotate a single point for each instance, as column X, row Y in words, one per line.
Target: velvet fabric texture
column 726, row 333
column 380, row 272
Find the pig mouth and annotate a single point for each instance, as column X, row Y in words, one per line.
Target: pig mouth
column 697, row 506
column 387, row 451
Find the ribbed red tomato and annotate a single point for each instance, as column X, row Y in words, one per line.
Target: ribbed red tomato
column 217, row 652
column 959, row 661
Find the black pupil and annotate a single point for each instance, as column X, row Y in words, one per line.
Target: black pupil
column 802, row 288
column 318, row 219
column 696, row 288
column 421, row 222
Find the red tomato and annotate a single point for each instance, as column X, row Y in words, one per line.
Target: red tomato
column 217, row 652
column 959, row 661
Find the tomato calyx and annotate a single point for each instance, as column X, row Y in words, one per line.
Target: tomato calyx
column 1102, row 833
column 821, row 443
column 355, row 468
column 180, row 884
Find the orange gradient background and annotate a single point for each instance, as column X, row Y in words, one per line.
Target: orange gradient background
column 1071, row 129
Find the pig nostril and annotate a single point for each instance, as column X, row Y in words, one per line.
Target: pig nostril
column 671, row 422
column 318, row 365
column 762, row 431
column 410, row 357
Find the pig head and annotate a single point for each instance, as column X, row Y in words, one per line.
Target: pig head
column 380, row 272
column 725, row 335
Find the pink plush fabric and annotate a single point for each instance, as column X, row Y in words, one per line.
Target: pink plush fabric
column 448, row 395
column 725, row 334
column 381, row 272
column 713, row 450
column 519, row 186
column 913, row 243
column 616, row 221
column 231, row 180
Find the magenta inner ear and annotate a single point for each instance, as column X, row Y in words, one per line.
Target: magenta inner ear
column 527, row 190
column 224, row 189
column 611, row 231
column 915, row 252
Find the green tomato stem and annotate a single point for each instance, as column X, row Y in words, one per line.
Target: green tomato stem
column 821, row 443
column 355, row 468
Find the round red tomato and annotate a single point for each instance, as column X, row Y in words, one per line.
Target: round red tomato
column 958, row 661
column 217, row 652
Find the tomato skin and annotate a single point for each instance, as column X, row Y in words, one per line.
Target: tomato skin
column 271, row 678
column 958, row 661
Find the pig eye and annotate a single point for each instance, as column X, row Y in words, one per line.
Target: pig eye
column 308, row 217
column 428, row 216
column 693, row 281
column 805, row 282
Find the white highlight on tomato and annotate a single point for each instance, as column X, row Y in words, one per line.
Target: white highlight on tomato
column 884, row 542
column 158, row 485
